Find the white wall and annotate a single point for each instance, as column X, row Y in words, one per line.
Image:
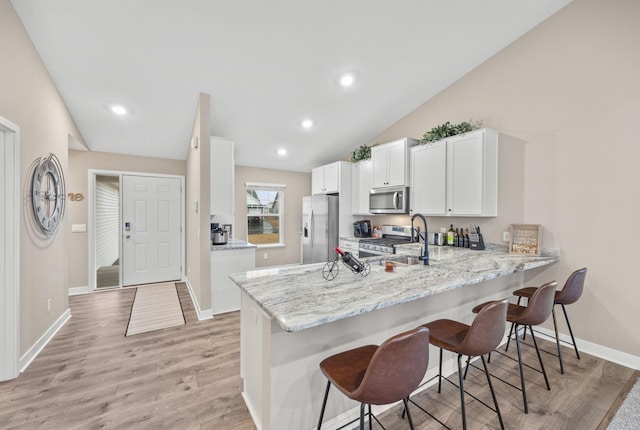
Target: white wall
column 569, row 90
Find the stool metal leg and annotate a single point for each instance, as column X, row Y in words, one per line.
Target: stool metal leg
column 324, row 404
column 370, row 419
column 440, row 372
column 406, row 408
column 362, row 416
column 493, row 394
column 544, row 373
column 524, row 390
column 506, row 348
column 555, row 327
column 566, row 317
column 461, row 381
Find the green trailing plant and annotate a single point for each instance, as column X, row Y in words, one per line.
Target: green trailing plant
column 447, row 129
column 361, row 153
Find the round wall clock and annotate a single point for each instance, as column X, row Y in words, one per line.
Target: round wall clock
column 48, row 194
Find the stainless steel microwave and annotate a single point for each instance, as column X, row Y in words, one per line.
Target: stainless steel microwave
column 389, row 200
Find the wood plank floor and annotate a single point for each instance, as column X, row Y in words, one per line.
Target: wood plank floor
column 91, row 376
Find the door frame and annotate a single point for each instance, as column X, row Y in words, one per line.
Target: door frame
column 93, row 173
column 10, row 288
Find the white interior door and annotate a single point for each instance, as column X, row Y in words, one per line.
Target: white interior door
column 9, row 249
column 150, row 229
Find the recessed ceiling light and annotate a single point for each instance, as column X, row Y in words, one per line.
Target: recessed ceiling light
column 282, row 152
column 347, row 80
column 119, row 110
column 306, row 123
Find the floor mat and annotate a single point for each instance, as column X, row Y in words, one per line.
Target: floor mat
column 155, row 307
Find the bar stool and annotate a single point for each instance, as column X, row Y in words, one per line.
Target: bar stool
column 482, row 337
column 569, row 294
column 379, row 375
column 536, row 312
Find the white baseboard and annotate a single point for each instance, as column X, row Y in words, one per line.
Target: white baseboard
column 206, row 314
column 256, row 421
column 75, row 291
column 594, row 349
column 33, row 352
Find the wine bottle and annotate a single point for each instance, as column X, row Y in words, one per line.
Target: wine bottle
column 350, row 261
column 450, row 236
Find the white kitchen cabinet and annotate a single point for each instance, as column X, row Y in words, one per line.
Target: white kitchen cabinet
column 391, row 163
column 225, row 294
column 222, row 179
column 335, row 178
column 428, row 193
column 361, row 183
column 457, row 176
column 326, row 179
column 348, row 244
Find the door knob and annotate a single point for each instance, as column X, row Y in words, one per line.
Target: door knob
column 128, row 236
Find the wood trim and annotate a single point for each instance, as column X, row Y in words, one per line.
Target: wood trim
column 10, row 251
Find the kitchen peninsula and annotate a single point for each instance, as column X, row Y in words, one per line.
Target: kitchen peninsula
column 292, row 318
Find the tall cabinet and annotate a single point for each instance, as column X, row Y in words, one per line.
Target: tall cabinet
column 335, row 178
column 361, row 183
column 457, row 176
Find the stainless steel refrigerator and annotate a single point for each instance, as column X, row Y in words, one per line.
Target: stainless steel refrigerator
column 319, row 228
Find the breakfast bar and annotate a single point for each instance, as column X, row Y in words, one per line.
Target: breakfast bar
column 292, row 318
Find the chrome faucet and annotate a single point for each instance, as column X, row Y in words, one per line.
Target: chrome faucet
column 425, row 256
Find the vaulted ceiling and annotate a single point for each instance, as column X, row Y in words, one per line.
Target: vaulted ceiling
column 268, row 65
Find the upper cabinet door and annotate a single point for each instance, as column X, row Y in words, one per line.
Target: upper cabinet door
column 379, row 164
column 429, row 179
column 317, row 180
column 466, row 175
column 331, row 178
column 397, row 163
column 472, row 174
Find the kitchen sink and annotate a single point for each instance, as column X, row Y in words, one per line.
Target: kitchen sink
column 401, row 260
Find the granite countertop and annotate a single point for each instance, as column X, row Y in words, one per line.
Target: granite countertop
column 298, row 297
column 233, row 244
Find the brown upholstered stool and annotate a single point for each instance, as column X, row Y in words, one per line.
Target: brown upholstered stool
column 536, row 312
column 379, row 375
column 482, row 337
column 570, row 293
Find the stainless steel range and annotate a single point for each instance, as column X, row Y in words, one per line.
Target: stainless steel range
column 391, row 235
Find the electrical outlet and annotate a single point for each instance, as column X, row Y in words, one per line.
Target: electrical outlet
column 506, row 236
column 48, row 305
column 266, row 256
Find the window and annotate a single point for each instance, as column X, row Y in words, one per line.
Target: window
column 264, row 213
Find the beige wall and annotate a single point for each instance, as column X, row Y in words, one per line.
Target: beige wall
column 570, row 90
column 298, row 185
column 78, row 211
column 29, row 99
column 197, row 183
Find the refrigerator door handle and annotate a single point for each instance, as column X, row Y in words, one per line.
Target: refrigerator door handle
column 310, row 227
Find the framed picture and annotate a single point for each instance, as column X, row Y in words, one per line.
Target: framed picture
column 228, row 227
column 525, row 239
